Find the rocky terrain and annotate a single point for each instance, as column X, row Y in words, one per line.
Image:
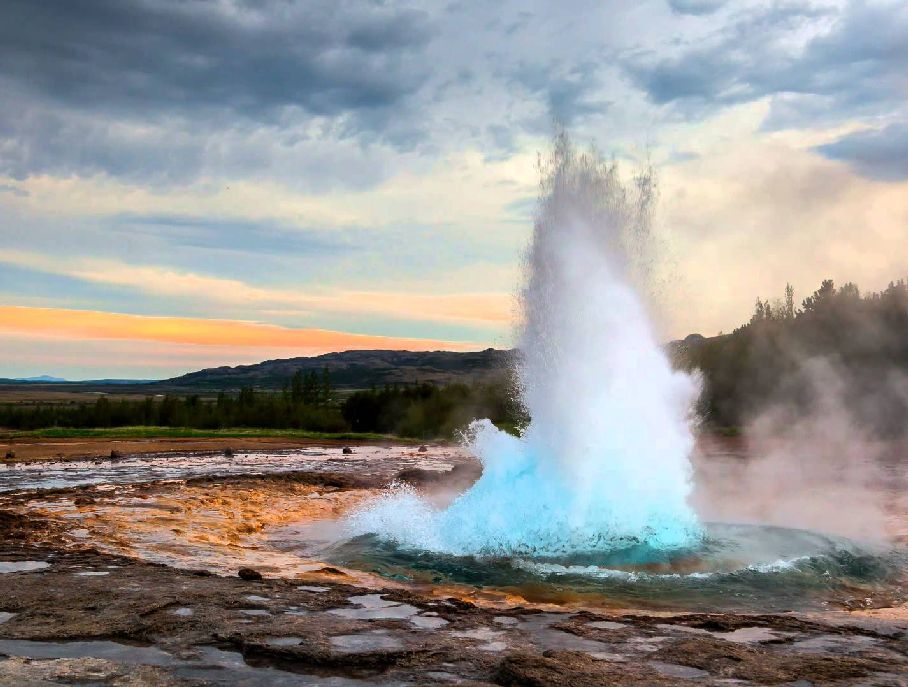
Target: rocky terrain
column 177, row 582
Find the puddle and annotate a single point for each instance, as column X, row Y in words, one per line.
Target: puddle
column 113, row 651
column 284, row 641
column 92, row 573
column 682, row 628
column 751, row 635
column 606, row 625
column 485, row 634
column 424, row 622
column 183, row 612
column 505, row 620
column 373, row 607
column 645, row 644
column 444, row 676
column 538, row 628
column 837, row 643
column 256, row 599
column 605, row 656
column 377, row 640
column 743, row 635
column 220, row 668
column 297, row 611
column 255, row 611
column 4, row 616
column 22, row 566
column 678, row 671
column 314, row 590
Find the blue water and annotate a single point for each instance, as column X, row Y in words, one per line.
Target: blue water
column 732, row 568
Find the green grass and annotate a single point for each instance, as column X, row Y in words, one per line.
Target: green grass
column 184, row 432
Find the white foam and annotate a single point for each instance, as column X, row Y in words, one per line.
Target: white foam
column 545, row 569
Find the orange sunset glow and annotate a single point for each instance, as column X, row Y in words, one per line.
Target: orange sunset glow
column 80, row 324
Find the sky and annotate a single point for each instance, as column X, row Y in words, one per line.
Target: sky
column 207, row 182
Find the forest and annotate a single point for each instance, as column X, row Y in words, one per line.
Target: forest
column 837, row 341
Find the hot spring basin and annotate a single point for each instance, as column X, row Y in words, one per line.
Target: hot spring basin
column 735, row 568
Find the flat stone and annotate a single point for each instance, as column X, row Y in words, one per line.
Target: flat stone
column 606, row 625
column 679, row 671
column 112, row 651
column 373, row 607
column 424, row 622
column 751, row 635
column 367, row 641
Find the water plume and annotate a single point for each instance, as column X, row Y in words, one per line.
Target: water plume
column 604, row 461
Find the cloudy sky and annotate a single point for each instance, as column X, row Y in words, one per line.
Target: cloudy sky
column 205, row 182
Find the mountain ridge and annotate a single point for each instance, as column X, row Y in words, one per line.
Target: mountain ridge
column 358, row 369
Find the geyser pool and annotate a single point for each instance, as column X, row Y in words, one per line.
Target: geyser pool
column 731, row 568
column 604, row 462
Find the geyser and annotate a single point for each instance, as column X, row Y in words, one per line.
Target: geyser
column 604, row 461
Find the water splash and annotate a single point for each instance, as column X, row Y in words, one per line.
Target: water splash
column 604, row 460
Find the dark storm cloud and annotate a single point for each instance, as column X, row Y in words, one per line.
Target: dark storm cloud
column 857, row 63
column 741, row 63
column 695, row 7
column 881, row 154
column 132, row 56
column 163, row 92
column 35, row 140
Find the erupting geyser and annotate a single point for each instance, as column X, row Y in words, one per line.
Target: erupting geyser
column 604, row 462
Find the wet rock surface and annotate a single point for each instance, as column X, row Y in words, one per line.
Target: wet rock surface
column 64, row 627
column 71, row 614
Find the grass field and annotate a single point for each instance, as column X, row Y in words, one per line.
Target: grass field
column 186, row 433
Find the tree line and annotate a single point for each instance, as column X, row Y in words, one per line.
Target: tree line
column 304, row 403
column 862, row 340
column 307, row 402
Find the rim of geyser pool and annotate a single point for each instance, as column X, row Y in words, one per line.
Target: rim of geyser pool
column 737, row 567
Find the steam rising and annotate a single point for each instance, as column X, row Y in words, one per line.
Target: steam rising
column 604, row 461
column 811, row 465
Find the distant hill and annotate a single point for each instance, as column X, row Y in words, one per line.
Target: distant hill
column 40, row 378
column 357, row 370
column 47, row 380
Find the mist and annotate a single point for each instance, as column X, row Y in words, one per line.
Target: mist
column 820, row 399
